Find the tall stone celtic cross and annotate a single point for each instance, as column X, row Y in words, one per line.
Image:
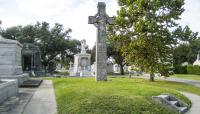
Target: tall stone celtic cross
column 100, row 20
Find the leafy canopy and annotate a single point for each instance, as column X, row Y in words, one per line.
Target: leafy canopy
column 55, row 43
column 144, row 28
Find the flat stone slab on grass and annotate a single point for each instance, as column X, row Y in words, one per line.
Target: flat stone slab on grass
column 43, row 101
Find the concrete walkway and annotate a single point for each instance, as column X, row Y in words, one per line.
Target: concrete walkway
column 192, row 82
column 187, row 81
column 43, row 101
column 195, row 99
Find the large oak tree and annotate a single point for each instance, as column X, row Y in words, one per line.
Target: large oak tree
column 144, row 28
column 54, row 43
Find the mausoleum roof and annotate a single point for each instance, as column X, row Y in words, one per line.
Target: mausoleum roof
column 8, row 41
column 29, row 48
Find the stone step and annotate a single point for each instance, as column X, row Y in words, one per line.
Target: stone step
column 164, row 96
column 8, row 104
column 12, row 101
column 4, row 108
column 182, row 109
column 174, row 102
column 32, row 83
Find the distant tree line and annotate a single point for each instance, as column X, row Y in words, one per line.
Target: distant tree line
column 54, row 42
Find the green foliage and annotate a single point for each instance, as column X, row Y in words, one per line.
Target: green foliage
column 185, row 34
column 113, row 50
column 181, row 54
column 186, row 52
column 164, row 71
column 54, row 43
column 193, row 69
column 178, row 69
column 93, row 53
column 144, row 28
column 119, row 96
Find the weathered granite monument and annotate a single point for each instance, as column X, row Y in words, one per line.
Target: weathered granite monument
column 100, row 20
column 82, row 65
column 10, row 60
column 8, row 87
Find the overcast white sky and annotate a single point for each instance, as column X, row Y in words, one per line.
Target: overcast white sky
column 74, row 14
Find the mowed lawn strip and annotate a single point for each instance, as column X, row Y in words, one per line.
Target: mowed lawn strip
column 187, row 76
column 118, row 96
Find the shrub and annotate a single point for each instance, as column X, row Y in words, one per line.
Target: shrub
column 193, row 69
column 178, row 69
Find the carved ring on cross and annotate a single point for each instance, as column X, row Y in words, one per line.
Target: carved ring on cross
column 101, row 19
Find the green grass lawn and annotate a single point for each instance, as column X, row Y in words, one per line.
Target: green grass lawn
column 118, row 96
column 187, row 76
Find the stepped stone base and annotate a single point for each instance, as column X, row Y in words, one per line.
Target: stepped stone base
column 17, row 104
column 8, row 88
column 20, row 78
column 32, row 83
column 172, row 103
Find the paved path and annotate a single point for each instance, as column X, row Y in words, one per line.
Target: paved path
column 192, row 82
column 195, row 99
column 43, row 101
column 187, row 81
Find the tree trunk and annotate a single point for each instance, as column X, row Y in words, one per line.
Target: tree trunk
column 121, row 69
column 151, row 77
column 45, row 69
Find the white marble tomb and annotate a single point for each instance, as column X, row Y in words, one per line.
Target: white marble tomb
column 82, row 63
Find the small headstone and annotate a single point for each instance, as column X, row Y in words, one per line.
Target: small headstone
column 116, row 68
column 100, row 20
column 58, row 67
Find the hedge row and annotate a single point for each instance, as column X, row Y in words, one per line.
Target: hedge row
column 193, row 69
column 180, row 69
column 190, row 69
